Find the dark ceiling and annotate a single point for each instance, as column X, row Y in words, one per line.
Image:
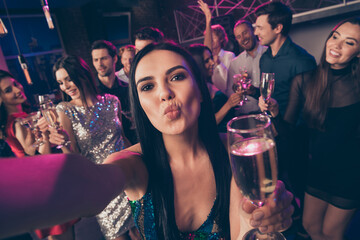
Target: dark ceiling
column 24, row 4
column 34, row 4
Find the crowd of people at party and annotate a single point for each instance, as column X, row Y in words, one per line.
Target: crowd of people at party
column 140, row 153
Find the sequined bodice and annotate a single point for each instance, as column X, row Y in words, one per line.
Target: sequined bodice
column 98, row 129
column 143, row 213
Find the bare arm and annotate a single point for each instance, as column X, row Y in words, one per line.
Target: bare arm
column 75, row 187
column 206, row 10
column 32, row 190
column 231, row 102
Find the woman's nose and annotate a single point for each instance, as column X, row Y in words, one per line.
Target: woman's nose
column 66, row 85
column 337, row 44
column 17, row 89
column 166, row 93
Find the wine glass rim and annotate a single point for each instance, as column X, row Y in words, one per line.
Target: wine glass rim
column 256, row 116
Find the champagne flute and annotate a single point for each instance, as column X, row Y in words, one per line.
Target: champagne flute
column 242, row 82
column 30, row 121
column 267, row 84
column 253, row 158
column 48, row 111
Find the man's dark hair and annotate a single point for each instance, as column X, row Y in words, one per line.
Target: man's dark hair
column 149, row 33
column 100, row 44
column 278, row 13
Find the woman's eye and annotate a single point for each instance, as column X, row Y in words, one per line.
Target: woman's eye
column 179, row 76
column 334, row 36
column 146, row 87
column 350, row 43
column 8, row 90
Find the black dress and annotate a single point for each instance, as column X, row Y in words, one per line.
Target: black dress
column 334, row 153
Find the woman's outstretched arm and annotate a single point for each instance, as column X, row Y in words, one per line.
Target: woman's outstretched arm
column 45, row 190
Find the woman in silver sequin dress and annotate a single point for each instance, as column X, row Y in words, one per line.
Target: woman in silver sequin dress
column 91, row 123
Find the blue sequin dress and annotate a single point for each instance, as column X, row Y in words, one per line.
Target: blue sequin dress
column 143, row 213
column 97, row 132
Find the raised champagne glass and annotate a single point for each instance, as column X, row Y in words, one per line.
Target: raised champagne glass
column 267, row 84
column 253, row 158
column 30, row 121
column 48, row 111
column 242, row 82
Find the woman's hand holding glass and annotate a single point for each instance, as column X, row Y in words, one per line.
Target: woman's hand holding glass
column 253, row 158
column 270, row 105
column 43, row 126
column 275, row 215
column 30, row 122
column 242, row 83
column 234, row 99
column 59, row 137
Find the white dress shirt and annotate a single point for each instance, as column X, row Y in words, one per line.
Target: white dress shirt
column 122, row 76
column 245, row 60
column 219, row 77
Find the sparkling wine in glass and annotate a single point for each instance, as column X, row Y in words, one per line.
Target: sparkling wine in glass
column 48, row 111
column 242, row 82
column 30, row 122
column 253, row 158
column 267, row 84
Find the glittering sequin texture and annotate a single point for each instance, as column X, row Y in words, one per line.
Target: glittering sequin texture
column 143, row 212
column 98, row 134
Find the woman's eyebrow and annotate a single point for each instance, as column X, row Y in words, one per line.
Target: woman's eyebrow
column 143, row 80
column 348, row 37
column 169, row 71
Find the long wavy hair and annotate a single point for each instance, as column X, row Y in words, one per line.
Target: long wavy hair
column 3, row 112
column 156, row 159
column 80, row 73
column 317, row 94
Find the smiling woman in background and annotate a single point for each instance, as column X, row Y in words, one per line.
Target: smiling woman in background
column 92, row 123
column 13, row 105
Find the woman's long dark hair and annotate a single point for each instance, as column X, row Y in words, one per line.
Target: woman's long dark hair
column 156, row 159
column 317, row 93
column 80, row 73
column 3, row 112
